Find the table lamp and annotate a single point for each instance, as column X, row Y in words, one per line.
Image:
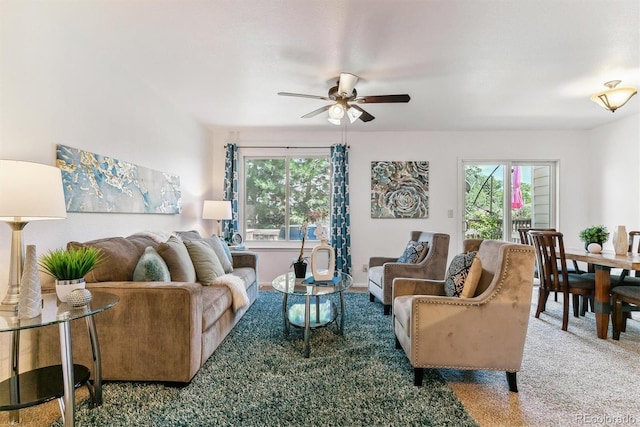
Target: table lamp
column 28, row 192
column 218, row 210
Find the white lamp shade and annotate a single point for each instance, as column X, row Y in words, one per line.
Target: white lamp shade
column 216, row 209
column 30, row 192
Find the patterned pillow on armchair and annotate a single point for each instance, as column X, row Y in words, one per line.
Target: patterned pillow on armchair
column 458, row 272
column 414, row 252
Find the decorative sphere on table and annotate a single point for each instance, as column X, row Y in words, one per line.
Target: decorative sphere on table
column 594, row 248
column 79, row 297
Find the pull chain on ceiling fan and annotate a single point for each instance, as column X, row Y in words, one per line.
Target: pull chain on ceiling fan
column 345, row 99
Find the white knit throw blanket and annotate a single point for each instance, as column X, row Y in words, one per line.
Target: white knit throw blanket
column 236, row 286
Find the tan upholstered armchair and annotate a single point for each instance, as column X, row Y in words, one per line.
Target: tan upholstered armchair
column 484, row 332
column 382, row 270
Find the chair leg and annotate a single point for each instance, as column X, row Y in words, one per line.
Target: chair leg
column 617, row 318
column 371, row 298
column 398, row 343
column 511, row 380
column 565, row 311
column 418, row 375
column 542, row 299
column 575, row 299
column 387, row 309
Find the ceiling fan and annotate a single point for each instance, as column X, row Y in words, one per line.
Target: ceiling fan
column 346, row 101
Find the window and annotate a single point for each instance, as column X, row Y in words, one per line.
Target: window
column 278, row 192
column 493, row 210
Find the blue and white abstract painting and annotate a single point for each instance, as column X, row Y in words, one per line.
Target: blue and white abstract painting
column 97, row 183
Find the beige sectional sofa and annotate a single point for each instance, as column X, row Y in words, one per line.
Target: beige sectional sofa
column 159, row 331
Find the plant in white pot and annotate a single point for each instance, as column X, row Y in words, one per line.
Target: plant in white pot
column 69, row 266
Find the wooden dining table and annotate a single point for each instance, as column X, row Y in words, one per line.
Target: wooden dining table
column 603, row 263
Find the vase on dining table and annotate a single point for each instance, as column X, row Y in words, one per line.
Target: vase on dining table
column 620, row 241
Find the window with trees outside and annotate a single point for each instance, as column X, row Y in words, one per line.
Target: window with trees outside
column 282, row 192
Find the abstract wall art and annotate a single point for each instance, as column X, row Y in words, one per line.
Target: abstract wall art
column 399, row 189
column 97, row 183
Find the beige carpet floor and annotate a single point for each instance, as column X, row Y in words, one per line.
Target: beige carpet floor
column 568, row 379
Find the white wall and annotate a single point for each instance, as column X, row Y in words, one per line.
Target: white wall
column 50, row 95
column 615, row 175
column 444, row 151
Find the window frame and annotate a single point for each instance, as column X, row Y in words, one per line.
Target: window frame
column 270, row 153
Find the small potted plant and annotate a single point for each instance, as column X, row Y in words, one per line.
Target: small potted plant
column 69, row 267
column 300, row 264
column 596, row 234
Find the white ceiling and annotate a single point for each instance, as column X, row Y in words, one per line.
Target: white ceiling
column 467, row 64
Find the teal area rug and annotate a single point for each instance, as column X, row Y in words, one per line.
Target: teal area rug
column 258, row 377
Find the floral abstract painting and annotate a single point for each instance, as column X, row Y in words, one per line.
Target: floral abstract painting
column 96, row 183
column 399, row 189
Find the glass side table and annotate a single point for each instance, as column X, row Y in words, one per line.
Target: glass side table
column 25, row 389
column 308, row 316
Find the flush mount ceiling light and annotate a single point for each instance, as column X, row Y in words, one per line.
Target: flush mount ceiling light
column 613, row 98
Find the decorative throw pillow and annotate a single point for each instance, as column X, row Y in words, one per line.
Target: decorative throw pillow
column 151, row 268
column 414, row 252
column 176, row 256
column 188, row 235
column 227, row 251
column 473, row 278
column 457, row 274
column 204, row 260
column 216, row 244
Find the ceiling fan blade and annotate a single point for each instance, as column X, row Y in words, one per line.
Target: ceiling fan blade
column 301, row 95
column 383, row 99
column 316, row 112
column 346, row 84
column 365, row 117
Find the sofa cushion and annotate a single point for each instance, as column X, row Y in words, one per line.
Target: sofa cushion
column 457, row 274
column 204, row 260
column 375, row 275
column 120, row 254
column 151, row 268
column 414, row 252
column 215, row 301
column 216, row 245
column 247, row 274
column 472, row 280
column 176, row 256
column 402, row 312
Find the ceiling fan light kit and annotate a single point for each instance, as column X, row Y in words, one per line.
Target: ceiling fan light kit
column 614, row 97
column 345, row 99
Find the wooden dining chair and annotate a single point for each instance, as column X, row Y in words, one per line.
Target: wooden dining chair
column 525, row 239
column 552, row 267
column 624, row 299
column 631, row 278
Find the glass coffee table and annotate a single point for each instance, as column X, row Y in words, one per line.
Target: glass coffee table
column 308, row 315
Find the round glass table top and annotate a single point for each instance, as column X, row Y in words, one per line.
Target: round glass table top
column 54, row 311
column 288, row 283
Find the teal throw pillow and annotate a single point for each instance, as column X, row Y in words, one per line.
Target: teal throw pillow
column 227, row 251
column 458, row 272
column 151, row 268
column 414, row 252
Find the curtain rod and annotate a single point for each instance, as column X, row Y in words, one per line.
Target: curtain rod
column 278, row 146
